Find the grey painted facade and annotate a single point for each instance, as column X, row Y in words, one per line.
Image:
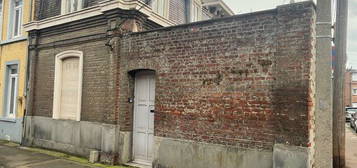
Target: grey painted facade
column 72, row 136
column 175, row 153
column 11, row 130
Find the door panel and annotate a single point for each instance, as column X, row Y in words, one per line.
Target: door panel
column 69, row 90
column 143, row 118
column 151, row 117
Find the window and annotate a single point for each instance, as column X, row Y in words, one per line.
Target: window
column 354, row 91
column 354, row 76
column 16, row 21
column 161, row 7
column 68, row 85
column 196, row 12
column 11, row 90
column 69, row 6
column 354, row 104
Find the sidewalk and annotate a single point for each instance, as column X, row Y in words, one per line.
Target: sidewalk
column 15, row 156
column 351, row 147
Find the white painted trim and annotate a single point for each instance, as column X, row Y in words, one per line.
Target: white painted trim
column 222, row 4
column 198, row 17
column 5, row 91
column 165, row 6
column 11, row 24
column 9, row 87
column 64, row 6
column 13, row 40
column 20, row 9
column 58, row 82
column 98, row 10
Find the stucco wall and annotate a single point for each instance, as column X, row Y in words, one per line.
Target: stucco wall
column 13, row 50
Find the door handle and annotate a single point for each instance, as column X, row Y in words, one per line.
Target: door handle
column 152, row 111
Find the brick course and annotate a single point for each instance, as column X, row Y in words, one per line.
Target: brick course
column 243, row 81
column 91, row 37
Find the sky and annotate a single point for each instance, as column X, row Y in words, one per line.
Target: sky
column 244, row 6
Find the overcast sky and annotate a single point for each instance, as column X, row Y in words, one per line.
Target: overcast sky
column 244, row 6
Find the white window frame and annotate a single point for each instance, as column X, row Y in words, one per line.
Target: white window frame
column 8, row 88
column 58, row 82
column 354, row 104
column 12, row 14
column 354, row 76
column 196, row 11
column 165, row 4
column 64, row 6
column 354, row 91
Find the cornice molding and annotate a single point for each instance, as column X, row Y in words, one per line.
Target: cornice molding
column 97, row 10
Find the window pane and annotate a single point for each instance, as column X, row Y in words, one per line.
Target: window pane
column 13, row 71
column 0, row 6
column 17, row 3
column 161, row 7
column 12, row 95
column 0, row 11
column 154, row 5
column 354, row 76
column 17, row 22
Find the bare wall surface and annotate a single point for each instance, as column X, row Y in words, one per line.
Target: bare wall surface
column 244, row 81
column 225, row 88
column 72, row 136
column 11, row 130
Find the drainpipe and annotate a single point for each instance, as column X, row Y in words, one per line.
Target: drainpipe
column 26, row 77
column 188, row 10
column 340, row 68
column 350, row 93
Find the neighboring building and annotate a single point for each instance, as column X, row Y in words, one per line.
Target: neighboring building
column 73, row 67
column 351, row 88
column 13, row 62
column 215, row 9
column 230, row 92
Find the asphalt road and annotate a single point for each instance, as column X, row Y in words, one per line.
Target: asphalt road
column 351, row 147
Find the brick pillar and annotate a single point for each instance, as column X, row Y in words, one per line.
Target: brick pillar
column 30, row 86
column 120, row 24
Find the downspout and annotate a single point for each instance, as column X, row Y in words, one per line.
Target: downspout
column 26, row 77
column 350, row 92
column 188, row 11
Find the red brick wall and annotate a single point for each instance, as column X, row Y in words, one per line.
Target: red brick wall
column 99, row 65
column 354, row 97
column 243, row 80
column 348, row 89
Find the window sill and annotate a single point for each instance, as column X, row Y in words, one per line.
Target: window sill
column 13, row 120
column 13, row 40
